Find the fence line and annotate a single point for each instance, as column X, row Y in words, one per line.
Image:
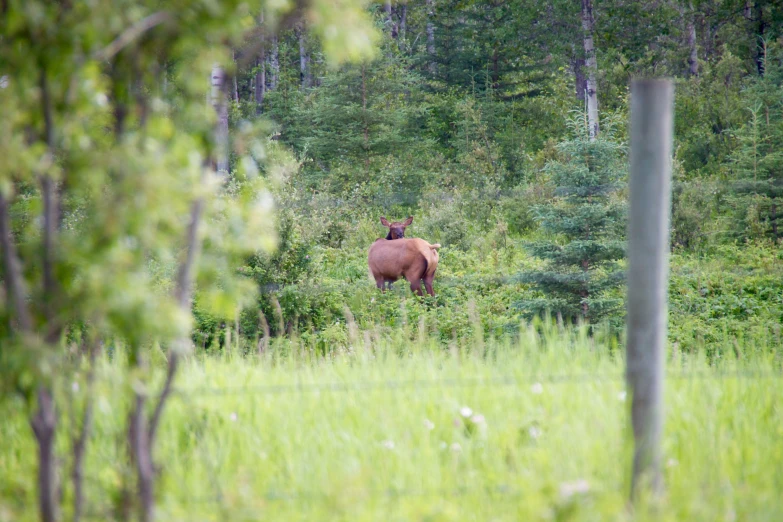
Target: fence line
column 278, row 389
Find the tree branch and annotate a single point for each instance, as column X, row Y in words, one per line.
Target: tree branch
column 164, row 395
column 132, row 33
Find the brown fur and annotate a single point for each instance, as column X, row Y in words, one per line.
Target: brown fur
column 396, row 229
column 413, row 259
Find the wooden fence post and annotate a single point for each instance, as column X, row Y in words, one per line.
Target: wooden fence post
column 648, row 271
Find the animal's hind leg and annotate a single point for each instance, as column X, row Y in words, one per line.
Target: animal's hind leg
column 380, row 283
column 416, row 287
column 428, row 283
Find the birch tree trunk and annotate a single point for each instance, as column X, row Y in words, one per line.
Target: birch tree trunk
column 234, row 86
column 592, row 68
column 274, row 64
column 693, row 56
column 259, row 86
column 221, row 108
column 304, row 61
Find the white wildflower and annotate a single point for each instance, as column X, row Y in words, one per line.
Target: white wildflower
column 465, row 411
column 429, row 424
column 534, row 432
column 233, row 416
column 578, row 487
column 75, row 386
column 537, row 388
column 621, row 396
column 388, row 444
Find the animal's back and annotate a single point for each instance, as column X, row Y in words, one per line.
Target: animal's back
column 399, row 254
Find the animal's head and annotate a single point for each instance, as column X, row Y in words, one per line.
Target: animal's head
column 396, row 229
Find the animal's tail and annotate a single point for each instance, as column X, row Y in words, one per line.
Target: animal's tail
column 432, row 263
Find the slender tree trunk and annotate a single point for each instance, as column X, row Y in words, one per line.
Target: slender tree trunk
column 495, row 68
column 693, row 57
column 274, row 64
column 431, row 34
column 580, row 84
column 759, row 38
column 259, row 84
column 221, row 108
column 13, row 280
column 304, row 61
column 394, row 29
column 80, row 438
column 592, row 68
column 44, row 423
column 235, row 87
column 403, row 20
column 141, row 453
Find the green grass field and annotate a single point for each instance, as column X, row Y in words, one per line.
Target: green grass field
column 399, row 429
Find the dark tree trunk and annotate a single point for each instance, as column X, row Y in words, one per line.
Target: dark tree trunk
column 142, row 457
column 580, row 82
column 761, row 44
column 80, row 440
column 403, row 20
column 44, row 423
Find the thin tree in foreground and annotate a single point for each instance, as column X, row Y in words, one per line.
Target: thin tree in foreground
column 111, row 207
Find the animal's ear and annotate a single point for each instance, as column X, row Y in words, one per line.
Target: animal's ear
column 408, row 221
column 384, row 222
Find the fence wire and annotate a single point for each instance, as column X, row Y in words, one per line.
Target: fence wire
column 223, row 503
column 415, row 384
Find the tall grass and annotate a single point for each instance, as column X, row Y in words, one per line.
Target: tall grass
column 394, row 429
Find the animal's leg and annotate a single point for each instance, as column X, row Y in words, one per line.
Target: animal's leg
column 428, row 286
column 380, row 284
column 416, row 287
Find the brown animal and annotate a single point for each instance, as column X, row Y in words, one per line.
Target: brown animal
column 413, row 259
column 396, row 229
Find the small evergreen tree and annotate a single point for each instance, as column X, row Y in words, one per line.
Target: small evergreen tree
column 757, row 161
column 586, row 224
